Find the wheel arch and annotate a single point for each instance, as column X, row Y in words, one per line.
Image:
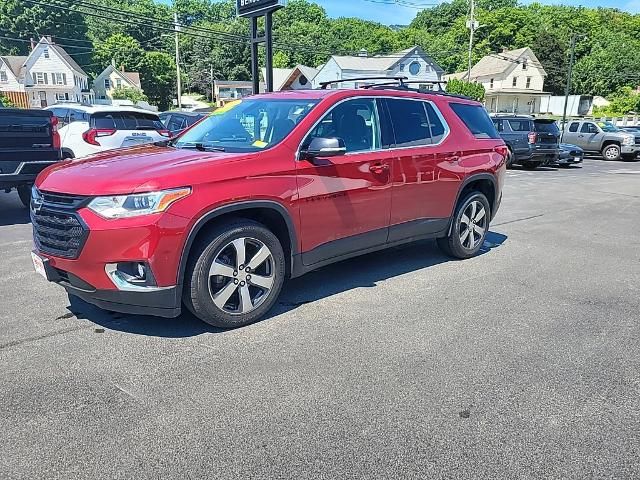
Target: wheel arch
column 482, row 182
column 606, row 143
column 270, row 213
column 67, row 153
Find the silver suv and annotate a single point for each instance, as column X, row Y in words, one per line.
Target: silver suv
column 603, row 137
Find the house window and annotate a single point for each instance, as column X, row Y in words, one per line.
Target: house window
column 303, row 80
column 524, row 65
column 107, row 84
column 46, row 53
column 118, row 82
column 491, row 83
column 414, row 68
column 59, row 78
column 515, row 81
column 3, row 77
column 528, row 82
column 61, row 97
column 402, row 67
column 41, row 78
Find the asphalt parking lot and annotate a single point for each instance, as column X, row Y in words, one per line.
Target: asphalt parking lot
column 521, row 363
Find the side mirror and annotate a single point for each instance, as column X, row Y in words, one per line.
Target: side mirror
column 325, row 147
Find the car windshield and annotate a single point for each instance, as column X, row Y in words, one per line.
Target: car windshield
column 608, row 127
column 246, row 125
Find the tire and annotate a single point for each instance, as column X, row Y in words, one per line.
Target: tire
column 456, row 244
column 24, row 192
column 611, row 152
column 234, row 284
column 510, row 158
column 530, row 165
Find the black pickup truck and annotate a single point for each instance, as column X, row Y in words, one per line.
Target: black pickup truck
column 29, row 142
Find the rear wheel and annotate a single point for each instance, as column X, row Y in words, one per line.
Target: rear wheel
column 611, row 152
column 24, row 192
column 234, row 275
column 470, row 227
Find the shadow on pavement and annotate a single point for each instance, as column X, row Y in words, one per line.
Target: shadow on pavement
column 12, row 212
column 363, row 271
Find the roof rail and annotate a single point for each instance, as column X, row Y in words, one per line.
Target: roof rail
column 399, row 80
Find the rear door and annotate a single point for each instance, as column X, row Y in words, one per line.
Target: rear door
column 547, row 132
column 570, row 134
column 520, row 129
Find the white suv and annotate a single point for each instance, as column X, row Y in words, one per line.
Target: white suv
column 87, row 129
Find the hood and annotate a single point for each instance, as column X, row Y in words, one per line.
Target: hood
column 137, row 169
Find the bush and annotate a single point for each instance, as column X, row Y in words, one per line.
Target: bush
column 625, row 100
column 5, row 102
column 129, row 93
column 468, row 89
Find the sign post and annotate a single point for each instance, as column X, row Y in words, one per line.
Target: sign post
column 253, row 9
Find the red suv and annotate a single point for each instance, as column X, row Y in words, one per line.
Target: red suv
column 264, row 189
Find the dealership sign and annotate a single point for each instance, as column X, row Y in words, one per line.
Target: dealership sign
column 254, row 8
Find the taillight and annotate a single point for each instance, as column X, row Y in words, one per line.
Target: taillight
column 533, row 137
column 164, row 133
column 55, row 136
column 90, row 135
column 502, row 150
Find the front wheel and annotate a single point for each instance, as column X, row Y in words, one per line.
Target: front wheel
column 611, row 152
column 234, row 275
column 469, row 228
column 24, row 192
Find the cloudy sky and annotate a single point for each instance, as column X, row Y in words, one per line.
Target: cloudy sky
column 387, row 12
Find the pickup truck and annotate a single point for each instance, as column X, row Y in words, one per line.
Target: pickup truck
column 29, row 142
column 604, row 138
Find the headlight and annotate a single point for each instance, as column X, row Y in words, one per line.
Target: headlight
column 628, row 141
column 134, row 205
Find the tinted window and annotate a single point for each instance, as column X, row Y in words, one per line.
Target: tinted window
column 410, row 122
column 574, row 127
column 140, row 121
column 520, row 125
column 164, row 118
column 498, row 124
column 78, row 116
column 546, row 127
column 104, row 120
column 476, row 119
column 436, row 125
column 588, row 128
column 354, row 121
column 176, row 123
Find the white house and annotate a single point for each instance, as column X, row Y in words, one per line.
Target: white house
column 513, row 81
column 47, row 75
column 112, row 78
column 412, row 63
column 298, row 78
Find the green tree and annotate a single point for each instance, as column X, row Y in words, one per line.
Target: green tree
column 129, row 93
column 468, row 89
column 158, row 78
column 123, row 50
column 624, row 101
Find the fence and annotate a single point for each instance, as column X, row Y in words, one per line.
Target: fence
column 19, row 99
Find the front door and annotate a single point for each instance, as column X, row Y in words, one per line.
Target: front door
column 590, row 137
column 43, row 99
column 345, row 201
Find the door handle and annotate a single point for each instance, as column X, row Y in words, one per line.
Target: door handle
column 379, row 168
column 453, row 159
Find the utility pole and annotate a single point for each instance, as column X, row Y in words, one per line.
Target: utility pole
column 574, row 38
column 212, row 85
column 471, row 24
column 177, row 29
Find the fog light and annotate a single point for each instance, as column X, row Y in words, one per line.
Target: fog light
column 131, row 275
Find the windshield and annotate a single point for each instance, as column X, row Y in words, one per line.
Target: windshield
column 608, row 127
column 246, row 125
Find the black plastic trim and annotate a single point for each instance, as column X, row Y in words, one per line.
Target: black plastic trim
column 473, row 178
column 345, row 246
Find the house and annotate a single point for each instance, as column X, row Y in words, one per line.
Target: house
column 412, row 63
column 513, row 81
column 298, row 78
column 112, row 78
column 226, row 91
column 47, row 75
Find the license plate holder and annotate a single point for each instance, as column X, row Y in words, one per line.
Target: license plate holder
column 38, row 265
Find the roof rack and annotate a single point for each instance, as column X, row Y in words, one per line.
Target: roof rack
column 399, row 80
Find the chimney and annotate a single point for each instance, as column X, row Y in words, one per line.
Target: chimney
column 33, row 44
column 363, row 53
column 113, row 62
column 49, row 39
column 122, row 68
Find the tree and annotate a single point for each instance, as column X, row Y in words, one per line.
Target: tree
column 158, row 78
column 129, row 93
column 624, row 101
column 552, row 53
column 468, row 89
column 123, row 50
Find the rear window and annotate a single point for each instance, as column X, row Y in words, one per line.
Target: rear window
column 126, row 121
column 546, row 127
column 476, row 119
column 520, row 125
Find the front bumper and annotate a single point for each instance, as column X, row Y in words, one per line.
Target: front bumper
column 630, row 150
column 160, row 302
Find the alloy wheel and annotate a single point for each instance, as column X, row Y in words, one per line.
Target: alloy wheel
column 241, row 276
column 473, row 225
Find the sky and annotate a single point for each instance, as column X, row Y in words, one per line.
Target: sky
column 389, row 13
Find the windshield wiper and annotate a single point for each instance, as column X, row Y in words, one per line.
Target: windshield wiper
column 200, row 146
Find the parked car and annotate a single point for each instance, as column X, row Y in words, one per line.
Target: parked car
column 29, row 142
column 177, row 122
column 273, row 186
column 604, row 138
column 630, row 128
column 569, row 155
column 532, row 141
column 89, row 129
